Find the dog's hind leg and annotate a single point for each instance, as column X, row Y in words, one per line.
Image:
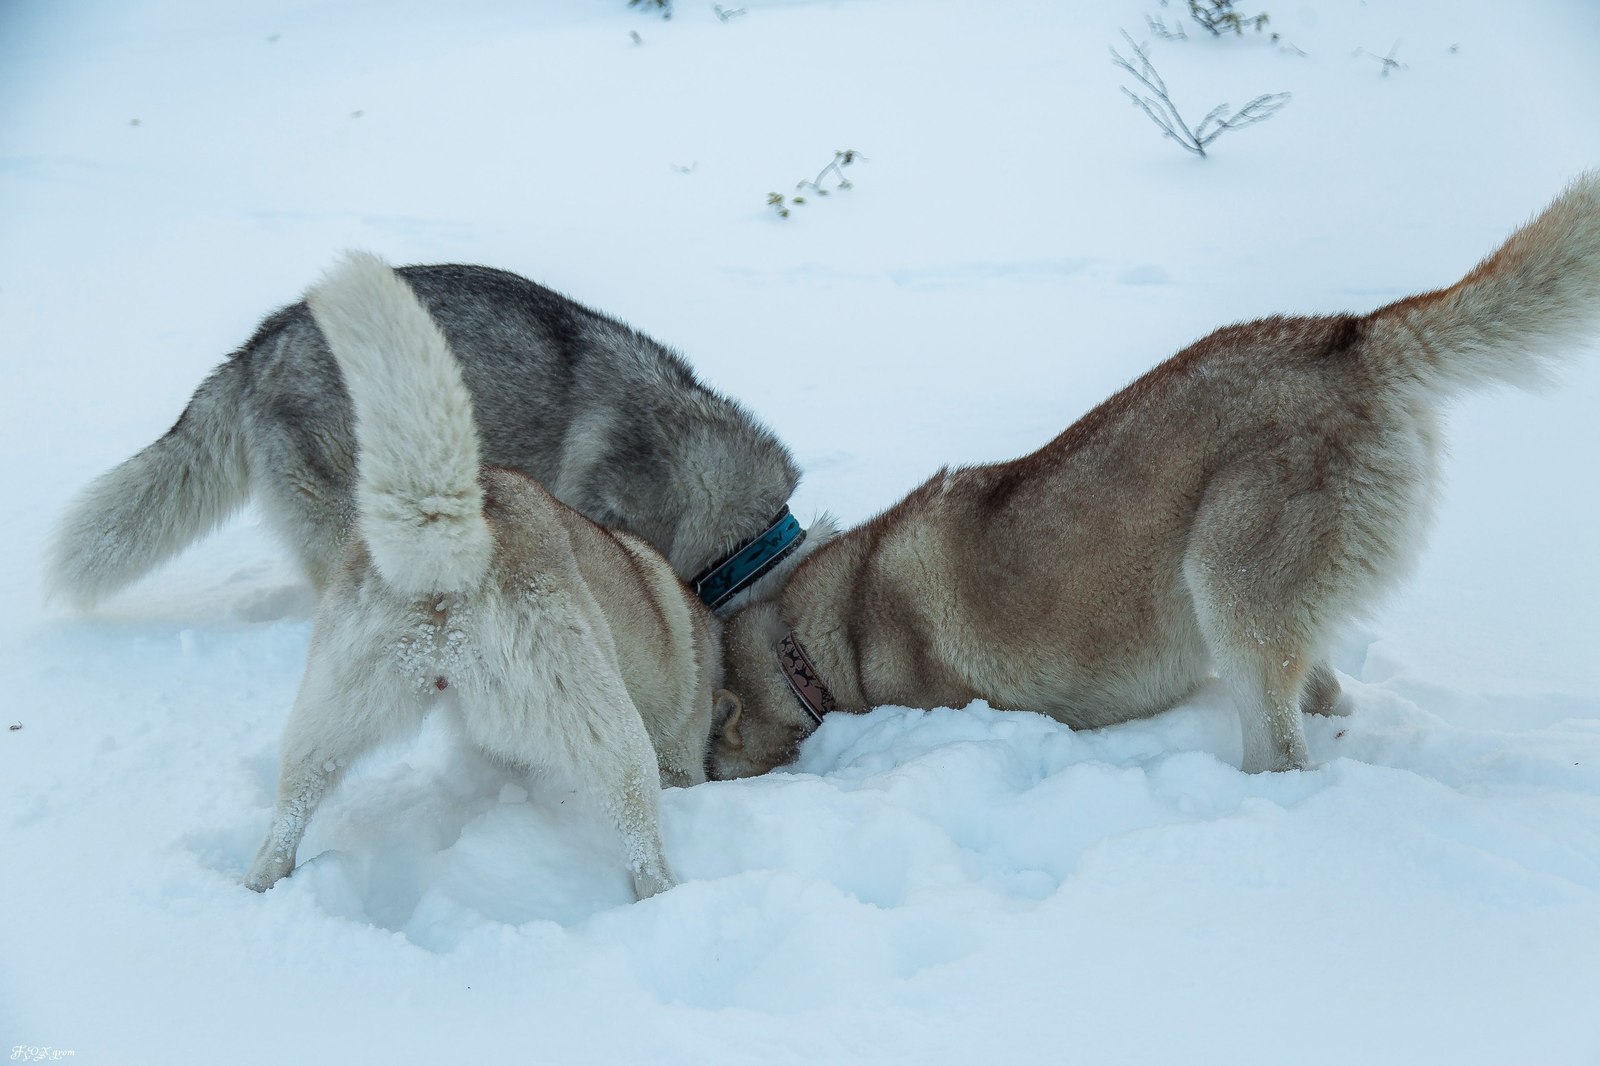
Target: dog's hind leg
column 1261, row 571
column 1260, row 662
column 634, row 803
column 303, row 470
column 624, row 772
column 1320, row 693
column 311, row 519
column 340, row 713
column 1265, row 685
column 594, row 730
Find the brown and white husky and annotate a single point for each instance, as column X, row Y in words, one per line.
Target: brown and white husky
column 1226, row 513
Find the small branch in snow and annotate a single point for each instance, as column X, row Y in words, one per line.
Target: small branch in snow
column 1218, row 16
column 1158, row 27
column 1157, row 105
column 841, row 159
column 1389, row 62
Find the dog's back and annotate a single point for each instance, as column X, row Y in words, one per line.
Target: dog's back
column 1230, row 509
column 610, row 421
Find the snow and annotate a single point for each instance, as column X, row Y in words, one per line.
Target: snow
column 946, row 886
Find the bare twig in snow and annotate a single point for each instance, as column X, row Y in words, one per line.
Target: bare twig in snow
column 1389, row 61
column 841, row 159
column 1157, row 105
column 1216, row 16
column 1158, row 27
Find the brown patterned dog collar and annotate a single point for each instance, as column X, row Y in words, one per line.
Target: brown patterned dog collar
column 804, row 680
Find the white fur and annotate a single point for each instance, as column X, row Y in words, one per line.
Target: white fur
column 1230, row 510
column 613, row 423
column 420, row 507
column 556, row 642
column 532, row 677
column 1518, row 315
column 142, row 512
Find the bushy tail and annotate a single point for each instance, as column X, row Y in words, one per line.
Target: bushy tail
column 139, row 514
column 1516, row 316
column 419, row 503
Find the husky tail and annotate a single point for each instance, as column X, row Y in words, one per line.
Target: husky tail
column 141, row 513
column 1515, row 317
column 418, row 500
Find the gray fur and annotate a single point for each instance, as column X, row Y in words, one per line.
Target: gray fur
column 550, row 641
column 611, row 422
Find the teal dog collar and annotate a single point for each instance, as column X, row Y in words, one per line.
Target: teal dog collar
column 735, row 572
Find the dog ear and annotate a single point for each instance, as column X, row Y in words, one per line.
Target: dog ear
column 726, row 710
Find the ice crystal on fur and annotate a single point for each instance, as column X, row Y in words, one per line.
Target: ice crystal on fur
column 605, row 663
column 434, row 648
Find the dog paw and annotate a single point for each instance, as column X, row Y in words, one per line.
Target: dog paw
column 266, row 872
column 1278, row 763
column 650, row 881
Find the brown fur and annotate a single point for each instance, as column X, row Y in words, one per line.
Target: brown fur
column 549, row 641
column 1226, row 512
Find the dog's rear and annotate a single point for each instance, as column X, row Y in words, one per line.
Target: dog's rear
column 1296, row 536
column 554, row 641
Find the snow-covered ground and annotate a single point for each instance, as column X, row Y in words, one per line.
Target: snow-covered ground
column 947, row 886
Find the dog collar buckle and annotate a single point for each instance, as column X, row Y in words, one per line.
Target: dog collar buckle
column 736, row 571
column 804, row 680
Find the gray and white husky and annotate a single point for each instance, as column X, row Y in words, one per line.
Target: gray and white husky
column 1228, row 511
column 607, row 419
column 549, row 640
